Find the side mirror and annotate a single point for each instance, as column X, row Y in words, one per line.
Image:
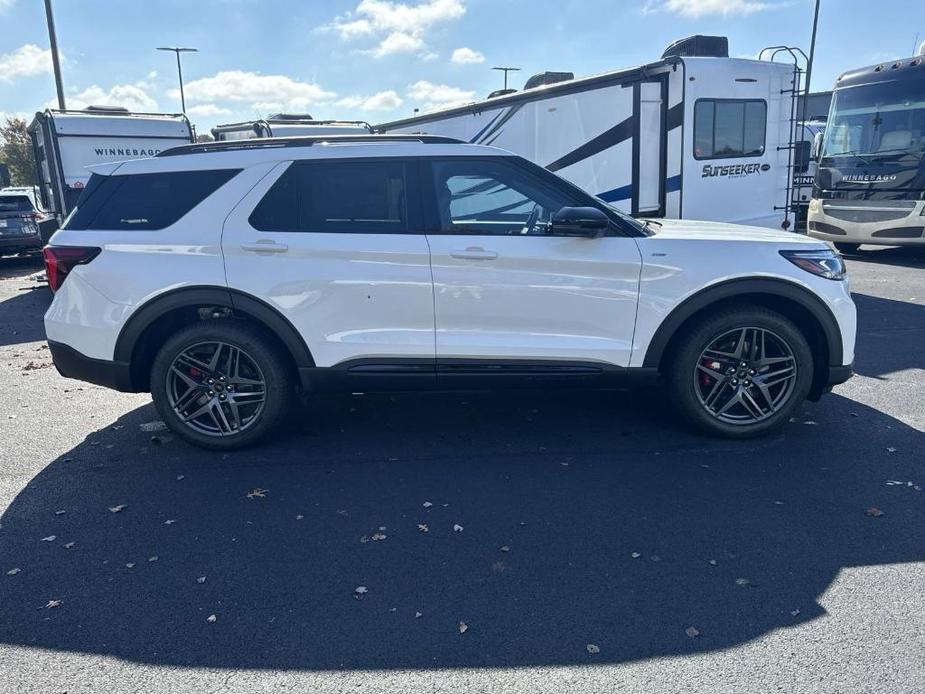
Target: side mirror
column 589, row 222
column 817, row 147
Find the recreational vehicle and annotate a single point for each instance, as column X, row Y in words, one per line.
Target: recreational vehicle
column 65, row 143
column 870, row 187
column 288, row 125
column 695, row 135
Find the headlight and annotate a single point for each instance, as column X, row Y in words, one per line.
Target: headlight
column 822, row 262
column 815, row 206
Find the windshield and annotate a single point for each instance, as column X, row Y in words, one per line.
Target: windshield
column 15, row 203
column 877, row 121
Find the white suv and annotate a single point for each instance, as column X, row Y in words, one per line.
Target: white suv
column 225, row 277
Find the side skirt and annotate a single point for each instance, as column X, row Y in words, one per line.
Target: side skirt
column 398, row 375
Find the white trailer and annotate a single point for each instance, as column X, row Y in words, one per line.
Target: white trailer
column 690, row 136
column 288, row 125
column 65, row 143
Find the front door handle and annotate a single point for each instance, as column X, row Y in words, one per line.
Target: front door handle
column 473, row 253
column 265, row 246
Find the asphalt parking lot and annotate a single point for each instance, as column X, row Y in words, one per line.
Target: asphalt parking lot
column 554, row 522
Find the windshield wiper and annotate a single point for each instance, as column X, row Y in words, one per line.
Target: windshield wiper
column 863, row 156
column 646, row 222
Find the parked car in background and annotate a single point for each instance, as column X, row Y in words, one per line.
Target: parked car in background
column 224, row 277
column 24, row 225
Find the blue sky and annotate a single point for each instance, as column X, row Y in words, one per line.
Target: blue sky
column 379, row 59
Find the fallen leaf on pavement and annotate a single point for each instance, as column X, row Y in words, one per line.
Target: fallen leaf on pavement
column 874, row 512
column 457, row 528
column 463, row 627
column 891, row 450
column 50, row 538
column 359, row 591
column 794, row 613
column 418, row 615
column 423, row 527
column 692, row 632
column 427, row 504
column 505, row 548
column 257, row 493
column 154, row 558
column 299, row 517
column 60, row 513
column 53, row 603
column 117, row 509
column 170, row 521
column 130, row 565
column 211, row 619
column 201, row 579
column 13, row 572
column 378, row 537
column 743, row 582
column 593, row 648
column 712, row 562
column 69, row 545
column 635, row 555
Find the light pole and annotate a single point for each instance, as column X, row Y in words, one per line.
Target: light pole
column 178, row 50
column 56, row 63
column 506, row 70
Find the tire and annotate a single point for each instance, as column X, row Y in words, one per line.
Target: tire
column 250, row 366
column 847, row 248
column 692, row 380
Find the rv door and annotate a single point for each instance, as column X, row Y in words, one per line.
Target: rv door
column 648, row 150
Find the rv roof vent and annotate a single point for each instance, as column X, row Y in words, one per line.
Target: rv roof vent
column 544, row 78
column 501, row 92
column 290, row 116
column 699, row 46
column 109, row 109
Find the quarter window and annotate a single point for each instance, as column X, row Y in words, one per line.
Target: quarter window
column 143, row 202
column 492, row 197
column 727, row 128
column 341, row 197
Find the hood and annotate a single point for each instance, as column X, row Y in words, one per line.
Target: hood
column 723, row 231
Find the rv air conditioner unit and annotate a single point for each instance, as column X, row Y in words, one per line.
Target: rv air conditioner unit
column 107, row 109
column 698, row 46
column 501, row 92
column 290, row 116
column 545, row 78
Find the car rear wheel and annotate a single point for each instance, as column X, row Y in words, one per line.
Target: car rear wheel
column 741, row 372
column 220, row 384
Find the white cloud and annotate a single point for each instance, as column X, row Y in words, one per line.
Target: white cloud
column 432, row 96
column 25, row 61
column 466, row 56
column 5, row 4
column 703, row 8
column 263, row 92
column 131, row 96
column 381, row 101
column 399, row 27
column 207, row 110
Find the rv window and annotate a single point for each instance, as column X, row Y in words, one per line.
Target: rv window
column 493, row 197
column 727, row 128
column 343, row 197
column 144, row 202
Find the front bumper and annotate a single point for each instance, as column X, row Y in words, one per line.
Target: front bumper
column 72, row 364
column 879, row 222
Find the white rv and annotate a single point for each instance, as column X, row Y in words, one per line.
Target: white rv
column 695, row 135
column 804, row 169
column 65, row 143
column 288, row 125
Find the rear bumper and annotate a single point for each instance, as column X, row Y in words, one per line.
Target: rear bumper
column 17, row 243
column 72, row 364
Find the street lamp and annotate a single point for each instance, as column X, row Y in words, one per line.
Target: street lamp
column 55, row 61
column 178, row 50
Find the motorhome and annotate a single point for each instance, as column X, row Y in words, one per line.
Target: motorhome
column 694, row 135
column 870, row 186
column 65, row 143
column 288, row 125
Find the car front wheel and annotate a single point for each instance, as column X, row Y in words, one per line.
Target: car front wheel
column 220, row 384
column 741, row 372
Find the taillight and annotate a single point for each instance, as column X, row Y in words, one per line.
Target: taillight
column 60, row 260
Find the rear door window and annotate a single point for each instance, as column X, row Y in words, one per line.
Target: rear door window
column 356, row 197
column 144, row 202
column 15, row 204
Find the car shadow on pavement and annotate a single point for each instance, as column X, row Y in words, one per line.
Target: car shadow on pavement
column 542, row 523
column 899, row 256
column 890, row 336
column 21, row 315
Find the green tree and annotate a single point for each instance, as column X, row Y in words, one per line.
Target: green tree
column 16, row 152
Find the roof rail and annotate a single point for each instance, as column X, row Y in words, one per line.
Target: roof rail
column 304, row 141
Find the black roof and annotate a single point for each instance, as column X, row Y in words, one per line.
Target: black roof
column 304, row 141
column 893, row 70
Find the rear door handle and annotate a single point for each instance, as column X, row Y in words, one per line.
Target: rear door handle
column 473, row 253
column 265, row 246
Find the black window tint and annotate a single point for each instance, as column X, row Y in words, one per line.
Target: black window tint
column 729, row 128
column 490, row 196
column 338, row 197
column 144, row 202
column 15, row 203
